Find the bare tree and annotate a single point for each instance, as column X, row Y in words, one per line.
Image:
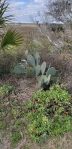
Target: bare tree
column 61, row 12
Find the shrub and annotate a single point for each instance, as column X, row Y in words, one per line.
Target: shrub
column 5, row 89
column 15, row 137
column 49, row 113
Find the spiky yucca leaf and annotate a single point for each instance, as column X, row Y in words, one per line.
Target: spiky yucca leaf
column 11, row 38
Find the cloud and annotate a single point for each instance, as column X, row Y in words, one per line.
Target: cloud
column 25, row 10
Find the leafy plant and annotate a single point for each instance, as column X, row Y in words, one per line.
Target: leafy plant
column 11, row 37
column 15, row 137
column 5, row 89
column 49, row 113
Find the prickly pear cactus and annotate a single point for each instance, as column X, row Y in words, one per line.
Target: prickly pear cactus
column 51, row 71
column 31, row 60
column 37, row 70
column 43, row 68
column 45, row 77
column 37, row 58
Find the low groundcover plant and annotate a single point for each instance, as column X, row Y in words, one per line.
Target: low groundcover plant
column 49, row 113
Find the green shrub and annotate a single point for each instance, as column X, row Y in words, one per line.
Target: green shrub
column 5, row 89
column 49, row 113
column 15, row 137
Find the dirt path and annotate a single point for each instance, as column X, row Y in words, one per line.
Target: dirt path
column 25, row 87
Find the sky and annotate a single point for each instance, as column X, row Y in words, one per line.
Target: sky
column 26, row 11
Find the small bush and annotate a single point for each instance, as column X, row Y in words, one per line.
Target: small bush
column 15, row 137
column 49, row 113
column 5, row 89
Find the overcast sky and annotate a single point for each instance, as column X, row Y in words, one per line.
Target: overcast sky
column 25, row 10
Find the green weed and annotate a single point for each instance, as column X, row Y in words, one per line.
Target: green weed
column 5, row 89
column 15, row 137
column 49, row 113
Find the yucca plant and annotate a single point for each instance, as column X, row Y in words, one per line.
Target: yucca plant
column 11, row 37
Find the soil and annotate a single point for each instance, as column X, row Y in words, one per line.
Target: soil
column 25, row 87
